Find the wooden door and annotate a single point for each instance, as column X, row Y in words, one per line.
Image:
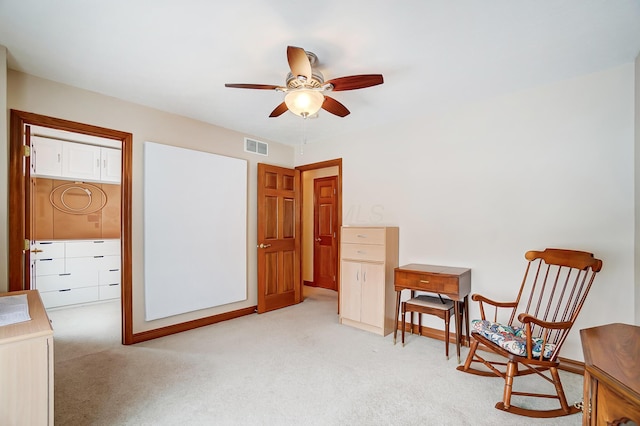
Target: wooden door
column 325, row 250
column 29, row 219
column 279, row 218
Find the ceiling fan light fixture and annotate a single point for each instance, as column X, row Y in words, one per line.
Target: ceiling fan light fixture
column 304, row 102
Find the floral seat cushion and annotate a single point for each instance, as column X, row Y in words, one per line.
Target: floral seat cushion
column 513, row 339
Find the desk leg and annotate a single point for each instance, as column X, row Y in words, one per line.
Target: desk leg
column 466, row 319
column 395, row 329
column 456, row 310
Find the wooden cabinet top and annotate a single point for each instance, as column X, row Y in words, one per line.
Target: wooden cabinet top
column 433, row 269
column 39, row 324
column 612, row 354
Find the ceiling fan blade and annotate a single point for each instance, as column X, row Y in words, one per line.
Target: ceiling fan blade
column 356, row 82
column 299, row 62
column 253, row 86
column 280, row 109
column 334, row 107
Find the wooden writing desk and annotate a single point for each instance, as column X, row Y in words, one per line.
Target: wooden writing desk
column 455, row 283
column 612, row 374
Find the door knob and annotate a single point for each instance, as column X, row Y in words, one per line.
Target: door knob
column 318, row 240
column 264, row 245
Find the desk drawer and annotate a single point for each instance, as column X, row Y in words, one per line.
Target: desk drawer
column 368, row 252
column 434, row 283
column 363, row 235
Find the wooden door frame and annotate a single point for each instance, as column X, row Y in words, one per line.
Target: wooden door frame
column 18, row 120
column 323, row 165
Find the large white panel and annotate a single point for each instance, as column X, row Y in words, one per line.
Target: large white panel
column 195, row 230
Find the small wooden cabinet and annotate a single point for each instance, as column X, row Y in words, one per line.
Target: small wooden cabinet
column 612, row 374
column 368, row 256
column 26, row 367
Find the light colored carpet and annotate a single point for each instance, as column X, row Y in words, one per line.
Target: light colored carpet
column 294, row 366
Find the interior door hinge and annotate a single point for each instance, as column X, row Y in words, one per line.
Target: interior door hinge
column 27, row 245
column 27, row 150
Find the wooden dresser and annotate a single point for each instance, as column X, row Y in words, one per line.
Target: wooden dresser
column 368, row 256
column 612, row 374
column 26, row 367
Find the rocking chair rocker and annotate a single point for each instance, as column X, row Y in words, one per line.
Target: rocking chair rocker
column 555, row 285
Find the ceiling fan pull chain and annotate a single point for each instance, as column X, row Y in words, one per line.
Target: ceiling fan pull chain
column 304, row 136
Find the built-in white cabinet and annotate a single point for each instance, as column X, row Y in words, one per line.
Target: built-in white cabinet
column 78, row 271
column 69, row 160
column 368, row 258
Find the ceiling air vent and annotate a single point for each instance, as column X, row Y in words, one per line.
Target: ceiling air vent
column 257, row 147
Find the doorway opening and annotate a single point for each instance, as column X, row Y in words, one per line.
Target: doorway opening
column 324, row 226
column 20, row 213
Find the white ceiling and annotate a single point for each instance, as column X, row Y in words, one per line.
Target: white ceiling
column 176, row 55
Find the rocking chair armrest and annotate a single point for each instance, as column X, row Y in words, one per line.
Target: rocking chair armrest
column 527, row 318
column 482, row 299
column 496, row 306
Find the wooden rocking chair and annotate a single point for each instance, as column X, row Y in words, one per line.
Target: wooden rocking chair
column 555, row 285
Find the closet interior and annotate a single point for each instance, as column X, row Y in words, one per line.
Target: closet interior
column 74, row 217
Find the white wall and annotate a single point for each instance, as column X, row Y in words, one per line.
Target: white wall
column 45, row 97
column 478, row 186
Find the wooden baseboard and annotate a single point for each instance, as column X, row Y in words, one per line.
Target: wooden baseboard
column 309, row 283
column 566, row 364
column 190, row 325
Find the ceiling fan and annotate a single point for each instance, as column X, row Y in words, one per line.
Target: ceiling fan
column 306, row 89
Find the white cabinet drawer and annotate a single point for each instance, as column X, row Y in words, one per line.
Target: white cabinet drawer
column 51, row 299
column 67, row 281
column 370, row 252
column 93, row 248
column 95, row 264
column 107, row 263
column 363, row 235
column 49, row 266
column 47, row 250
column 111, row 291
column 111, row 276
